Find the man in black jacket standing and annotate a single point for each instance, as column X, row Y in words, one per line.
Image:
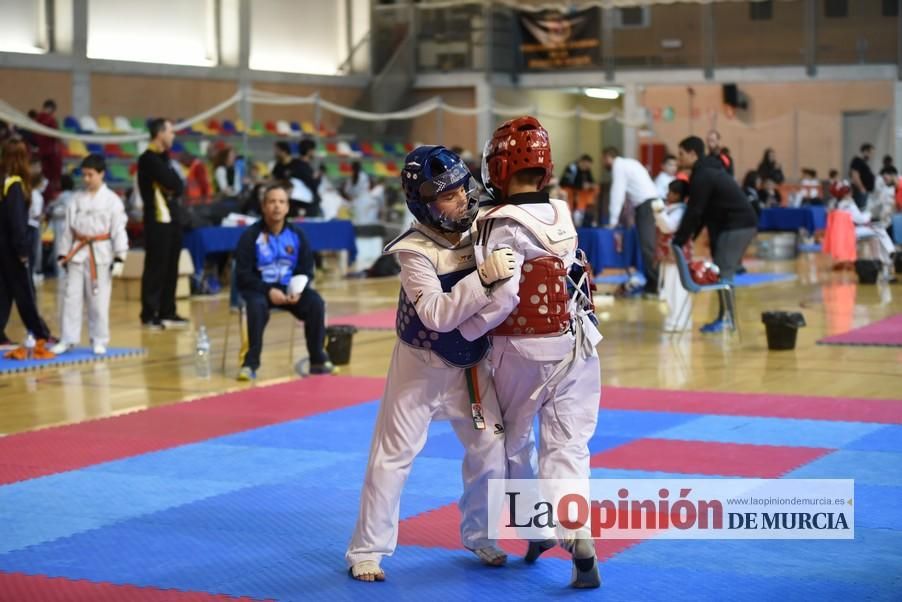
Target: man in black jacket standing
column 161, row 190
column 288, row 168
column 715, row 202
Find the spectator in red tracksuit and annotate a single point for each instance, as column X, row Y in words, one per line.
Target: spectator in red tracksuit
column 50, row 150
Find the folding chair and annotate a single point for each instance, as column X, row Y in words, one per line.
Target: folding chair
column 236, row 301
column 725, row 290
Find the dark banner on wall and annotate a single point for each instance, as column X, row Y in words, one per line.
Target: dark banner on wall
column 556, row 40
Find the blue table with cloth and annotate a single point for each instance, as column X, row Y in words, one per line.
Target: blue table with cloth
column 786, row 219
column 322, row 236
column 601, row 248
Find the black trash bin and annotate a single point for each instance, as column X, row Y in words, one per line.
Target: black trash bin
column 338, row 343
column 782, row 328
column 868, row 270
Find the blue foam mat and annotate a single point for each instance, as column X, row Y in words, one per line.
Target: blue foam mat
column 770, row 431
column 887, row 438
column 79, row 355
column 268, row 513
column 866, row 467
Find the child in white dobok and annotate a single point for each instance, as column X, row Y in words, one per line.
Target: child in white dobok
column 542, row 326
column 667, row 219
column 92, row 250
column 434, row 372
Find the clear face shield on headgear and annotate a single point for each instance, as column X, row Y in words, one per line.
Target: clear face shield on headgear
column 452, row 199
column 486, row 178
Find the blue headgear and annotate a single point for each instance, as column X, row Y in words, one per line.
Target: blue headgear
column 429, row 171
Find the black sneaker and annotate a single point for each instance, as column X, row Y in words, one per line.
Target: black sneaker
column 176, row 322
column 155, row 324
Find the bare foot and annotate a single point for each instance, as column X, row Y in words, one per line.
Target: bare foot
column 491, row 556
column 368, row 570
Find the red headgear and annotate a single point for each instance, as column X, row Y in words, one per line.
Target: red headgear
column 840, row 189
column 518, row 144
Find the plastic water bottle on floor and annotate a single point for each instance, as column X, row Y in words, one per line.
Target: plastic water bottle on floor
column 29, row 346
column 202, row 353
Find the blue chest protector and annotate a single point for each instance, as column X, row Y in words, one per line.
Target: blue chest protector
column 452, row 347
column 277, row 256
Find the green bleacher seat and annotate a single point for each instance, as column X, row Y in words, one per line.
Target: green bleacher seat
column 118, row 172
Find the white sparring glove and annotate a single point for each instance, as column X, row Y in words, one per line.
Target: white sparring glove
column 657, row 205
column 499, row 265
column 117, row 269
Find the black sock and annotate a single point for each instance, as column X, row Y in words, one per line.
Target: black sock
column 584, row 564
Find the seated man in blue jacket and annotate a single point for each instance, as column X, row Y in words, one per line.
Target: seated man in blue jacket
column 274, row 265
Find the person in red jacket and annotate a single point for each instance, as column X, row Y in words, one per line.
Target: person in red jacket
column 50, row 150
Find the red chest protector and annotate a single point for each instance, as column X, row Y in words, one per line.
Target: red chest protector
column 543, row 307
column 543, row 300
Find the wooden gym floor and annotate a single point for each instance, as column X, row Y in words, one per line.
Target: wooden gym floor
column 634, row 352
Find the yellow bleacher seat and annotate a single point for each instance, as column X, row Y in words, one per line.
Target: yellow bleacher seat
column 307, row 127
column 105, row 123
column 76, row 148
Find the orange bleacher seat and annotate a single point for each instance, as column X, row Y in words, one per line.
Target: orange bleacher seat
column 392, row 168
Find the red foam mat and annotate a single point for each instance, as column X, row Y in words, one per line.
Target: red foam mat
column 440, row 528
column 40, row 588
column 380, row 319
column 47, row 451
column 885, row 411
column 709, row 458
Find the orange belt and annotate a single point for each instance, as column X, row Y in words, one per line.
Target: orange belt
column 87, row 241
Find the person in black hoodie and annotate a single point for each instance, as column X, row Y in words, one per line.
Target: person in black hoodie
column 715, row 202
column 15, row 277
column 161, row 190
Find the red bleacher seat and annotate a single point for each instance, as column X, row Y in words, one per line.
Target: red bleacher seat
column 113, row 150
column 331, row 148
column 271, row 127
column 367, row 149
column 345, row 169
column 214, row 126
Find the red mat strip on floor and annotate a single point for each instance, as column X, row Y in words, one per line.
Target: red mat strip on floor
column 48, row 451
column 773, row 405
column 440, row 528
column 380, row 319
column 17, row 586
column 709, row 458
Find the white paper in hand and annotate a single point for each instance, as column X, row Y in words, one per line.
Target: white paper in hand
column 297, row 284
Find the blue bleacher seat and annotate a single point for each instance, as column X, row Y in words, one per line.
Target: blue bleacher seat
column 71, row 123
column 95, row 149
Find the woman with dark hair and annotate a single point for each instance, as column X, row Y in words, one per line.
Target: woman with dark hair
column 15, row 278
column 769, row 168
column 227, row 183
column 356, row 189
column 750, row 185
